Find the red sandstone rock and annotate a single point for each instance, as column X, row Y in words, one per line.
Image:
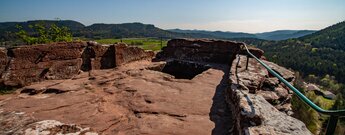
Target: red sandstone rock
column 63, row 60
column 38, row 62
column 104, row 56
column 257, row 113
column 135, row 100
column 3, row 60
column 48, row 52
column 125, row 54
column 215, row 51
column 128, row 100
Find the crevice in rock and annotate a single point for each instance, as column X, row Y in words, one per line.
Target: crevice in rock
column 29, row 91
column 44, row 72
column 59, row 107
column 10, row 55
column 86, row 56
column 40, row 57
column 177, row 116
column 116, row 122
column 54, row 91
column 108, row 58
column 148, row 101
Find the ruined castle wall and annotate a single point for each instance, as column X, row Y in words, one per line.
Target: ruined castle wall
column 125, row 54
column 23, row 65
column 104, row 56
column 215, row 51
column 37, row 62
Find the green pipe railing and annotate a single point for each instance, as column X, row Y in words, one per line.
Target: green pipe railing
column 334, row 114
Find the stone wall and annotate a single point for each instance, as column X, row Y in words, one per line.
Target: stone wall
column 203, row 50
column 103, row 56
column 260, row 103
column 125, row 54
column 215, row 51
column 23, row 65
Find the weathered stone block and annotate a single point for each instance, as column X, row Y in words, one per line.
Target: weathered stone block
column 63, row 69
column 125, row 54
column 38, row 62
column 47, row 52
column 104, row 56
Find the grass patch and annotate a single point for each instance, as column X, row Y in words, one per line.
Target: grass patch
column 154, row 44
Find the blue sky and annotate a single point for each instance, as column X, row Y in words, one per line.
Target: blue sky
column 226, row 15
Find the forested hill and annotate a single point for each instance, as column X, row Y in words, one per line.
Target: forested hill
column 7, row 30
column 319, row 54
column 331, row 37
column 218, row 34
column 273, row 35
column 11, row 26
column 283, row 34
column 128, row 30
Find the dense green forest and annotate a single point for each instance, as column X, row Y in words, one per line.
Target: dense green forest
column 320, row 53
column 332, row 37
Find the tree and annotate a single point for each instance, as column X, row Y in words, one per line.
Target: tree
column 44, row 34
column 339, row 103
column 58, row 34
column 23, row 35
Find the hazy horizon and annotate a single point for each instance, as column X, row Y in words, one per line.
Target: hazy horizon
column 250, row 16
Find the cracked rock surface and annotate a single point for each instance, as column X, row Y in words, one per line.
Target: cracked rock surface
column 130, row 99
column 259, row 102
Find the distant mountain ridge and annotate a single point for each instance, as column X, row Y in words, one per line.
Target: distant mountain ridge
column 284, row 34
column 136, row 29
column 98, row 30
column 273, row 35
column 219, row 34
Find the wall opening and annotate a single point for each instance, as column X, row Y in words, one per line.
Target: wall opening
column 86, row 56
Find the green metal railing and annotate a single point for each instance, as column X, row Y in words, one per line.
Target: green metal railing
column 334, row 114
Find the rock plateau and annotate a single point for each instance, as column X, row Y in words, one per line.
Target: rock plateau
column 192, row 86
